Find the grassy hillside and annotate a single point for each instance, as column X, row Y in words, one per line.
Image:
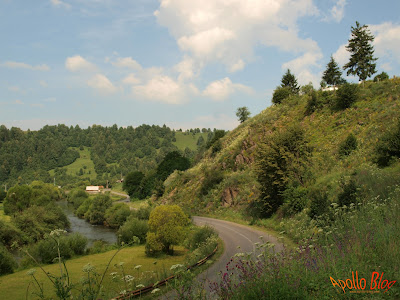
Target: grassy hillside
column 188, row 140
column 340, row 208
column 227, row 178
column 149, row 271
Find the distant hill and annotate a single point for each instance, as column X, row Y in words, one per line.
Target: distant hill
column 225, row 180
column 96, row 154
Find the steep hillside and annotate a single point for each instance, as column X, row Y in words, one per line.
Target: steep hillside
column 225, row 181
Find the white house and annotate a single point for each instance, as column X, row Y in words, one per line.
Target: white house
column 92, row 189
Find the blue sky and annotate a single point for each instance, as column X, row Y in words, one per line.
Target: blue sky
column 182, row 63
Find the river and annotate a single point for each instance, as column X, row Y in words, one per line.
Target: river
column 91, row 232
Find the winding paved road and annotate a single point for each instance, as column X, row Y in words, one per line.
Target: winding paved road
column 237, row 238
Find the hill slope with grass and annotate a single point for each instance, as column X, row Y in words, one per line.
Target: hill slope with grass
column 321, row 168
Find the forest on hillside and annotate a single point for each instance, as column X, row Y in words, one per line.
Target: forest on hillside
column 30, row 155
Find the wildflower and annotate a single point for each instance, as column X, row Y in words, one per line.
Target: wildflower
column 31, row 272
column 57, row 232
column 121, row 263
column 113, row 274
column 155, row 291
column 176, row 266
column 129, row 278
column 88, row 268
column 139, row 286
column 138, row 267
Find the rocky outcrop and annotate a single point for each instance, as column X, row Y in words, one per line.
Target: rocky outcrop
column 228, row 196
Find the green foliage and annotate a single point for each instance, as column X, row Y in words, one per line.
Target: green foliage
column 97, row 209
column 10, row 235
column 218, row 134
column 200, row 236
column 211, row 179
column 167, row 227
column 349, row 194
column 381, row 77
column 132, row 184
column 36, row 221
column 346, row 95
column 360, row 46
column 77, row 197
column 319, row 204
column 290, row 81
column 143, row 213
column 132, row 230
column 116, row 215
column 242, row 113
column 332, row 74
column 388, row 147
column 294, row 200
column 280, row 94
column 3, row 195
column 171, row 162
column 348, row 145
column 18, row 198
column 7, row 262
column 281, row 160
column 312, row 103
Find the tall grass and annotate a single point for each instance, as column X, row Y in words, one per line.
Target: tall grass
column 362, row 238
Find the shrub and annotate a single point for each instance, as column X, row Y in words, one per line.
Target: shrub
column 116, row 215
column 348, row 145
column 388, row 147
column 294, row 200
column 9, row 235
column 77, row 243
column 280, row 94
column 211, row 179
column 346, row 95
column 83, row 208
column 97, row 209
column 200, row 236
column 381, row 77
column 143, row 213
column 349, row 194
column 312, row 103
column 319, row 204
column 7, row 262
column 133, row 227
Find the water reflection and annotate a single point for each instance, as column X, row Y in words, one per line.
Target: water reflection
column 92, row 232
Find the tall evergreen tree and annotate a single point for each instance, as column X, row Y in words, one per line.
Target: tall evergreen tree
column 360, row 46
column 332, row 74
column 290, row 81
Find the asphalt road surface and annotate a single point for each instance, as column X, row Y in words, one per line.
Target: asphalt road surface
column 237, row 239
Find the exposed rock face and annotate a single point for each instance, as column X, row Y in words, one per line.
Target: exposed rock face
column 245, row 157
column 228, row 196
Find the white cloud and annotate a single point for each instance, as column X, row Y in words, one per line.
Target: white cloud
column 127, row 62
column 341, row 55
column 387, row 41
column 43, row 83
column 220, row 121
column 187, row 68
column 227, row 31
column 303, row 67
column 163, row 88
column 78, row 63
column 102, row 84
column 59, row 3
column 220, row 90
column 337, row 11
column 21, row 65
column 131, row 79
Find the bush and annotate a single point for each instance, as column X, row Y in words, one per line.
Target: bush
column 348, row 145
column 346, row 95
column 9, row 235
column 97, row 209
column 133, row 227
column 349, row 194
column 77, row 243
column 116, row 215
column 319, row 203
column 280, row 94
column 312, row 103
column 381, row 77
column 200, row 236
column 7, row 262
column 294, row 200
column 211, row 179
column 143, row 213
column 83, row 208
column 388, row 147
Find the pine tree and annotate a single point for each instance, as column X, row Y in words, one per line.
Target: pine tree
column 290, row 81
column 361, row 61
column 332, row 74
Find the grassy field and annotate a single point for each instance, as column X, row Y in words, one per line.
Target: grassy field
column 3, row 217
column 188, row 140
column 83, row 161
column 150, row 270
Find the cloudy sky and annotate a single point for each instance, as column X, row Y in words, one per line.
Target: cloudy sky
column 181, row 63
